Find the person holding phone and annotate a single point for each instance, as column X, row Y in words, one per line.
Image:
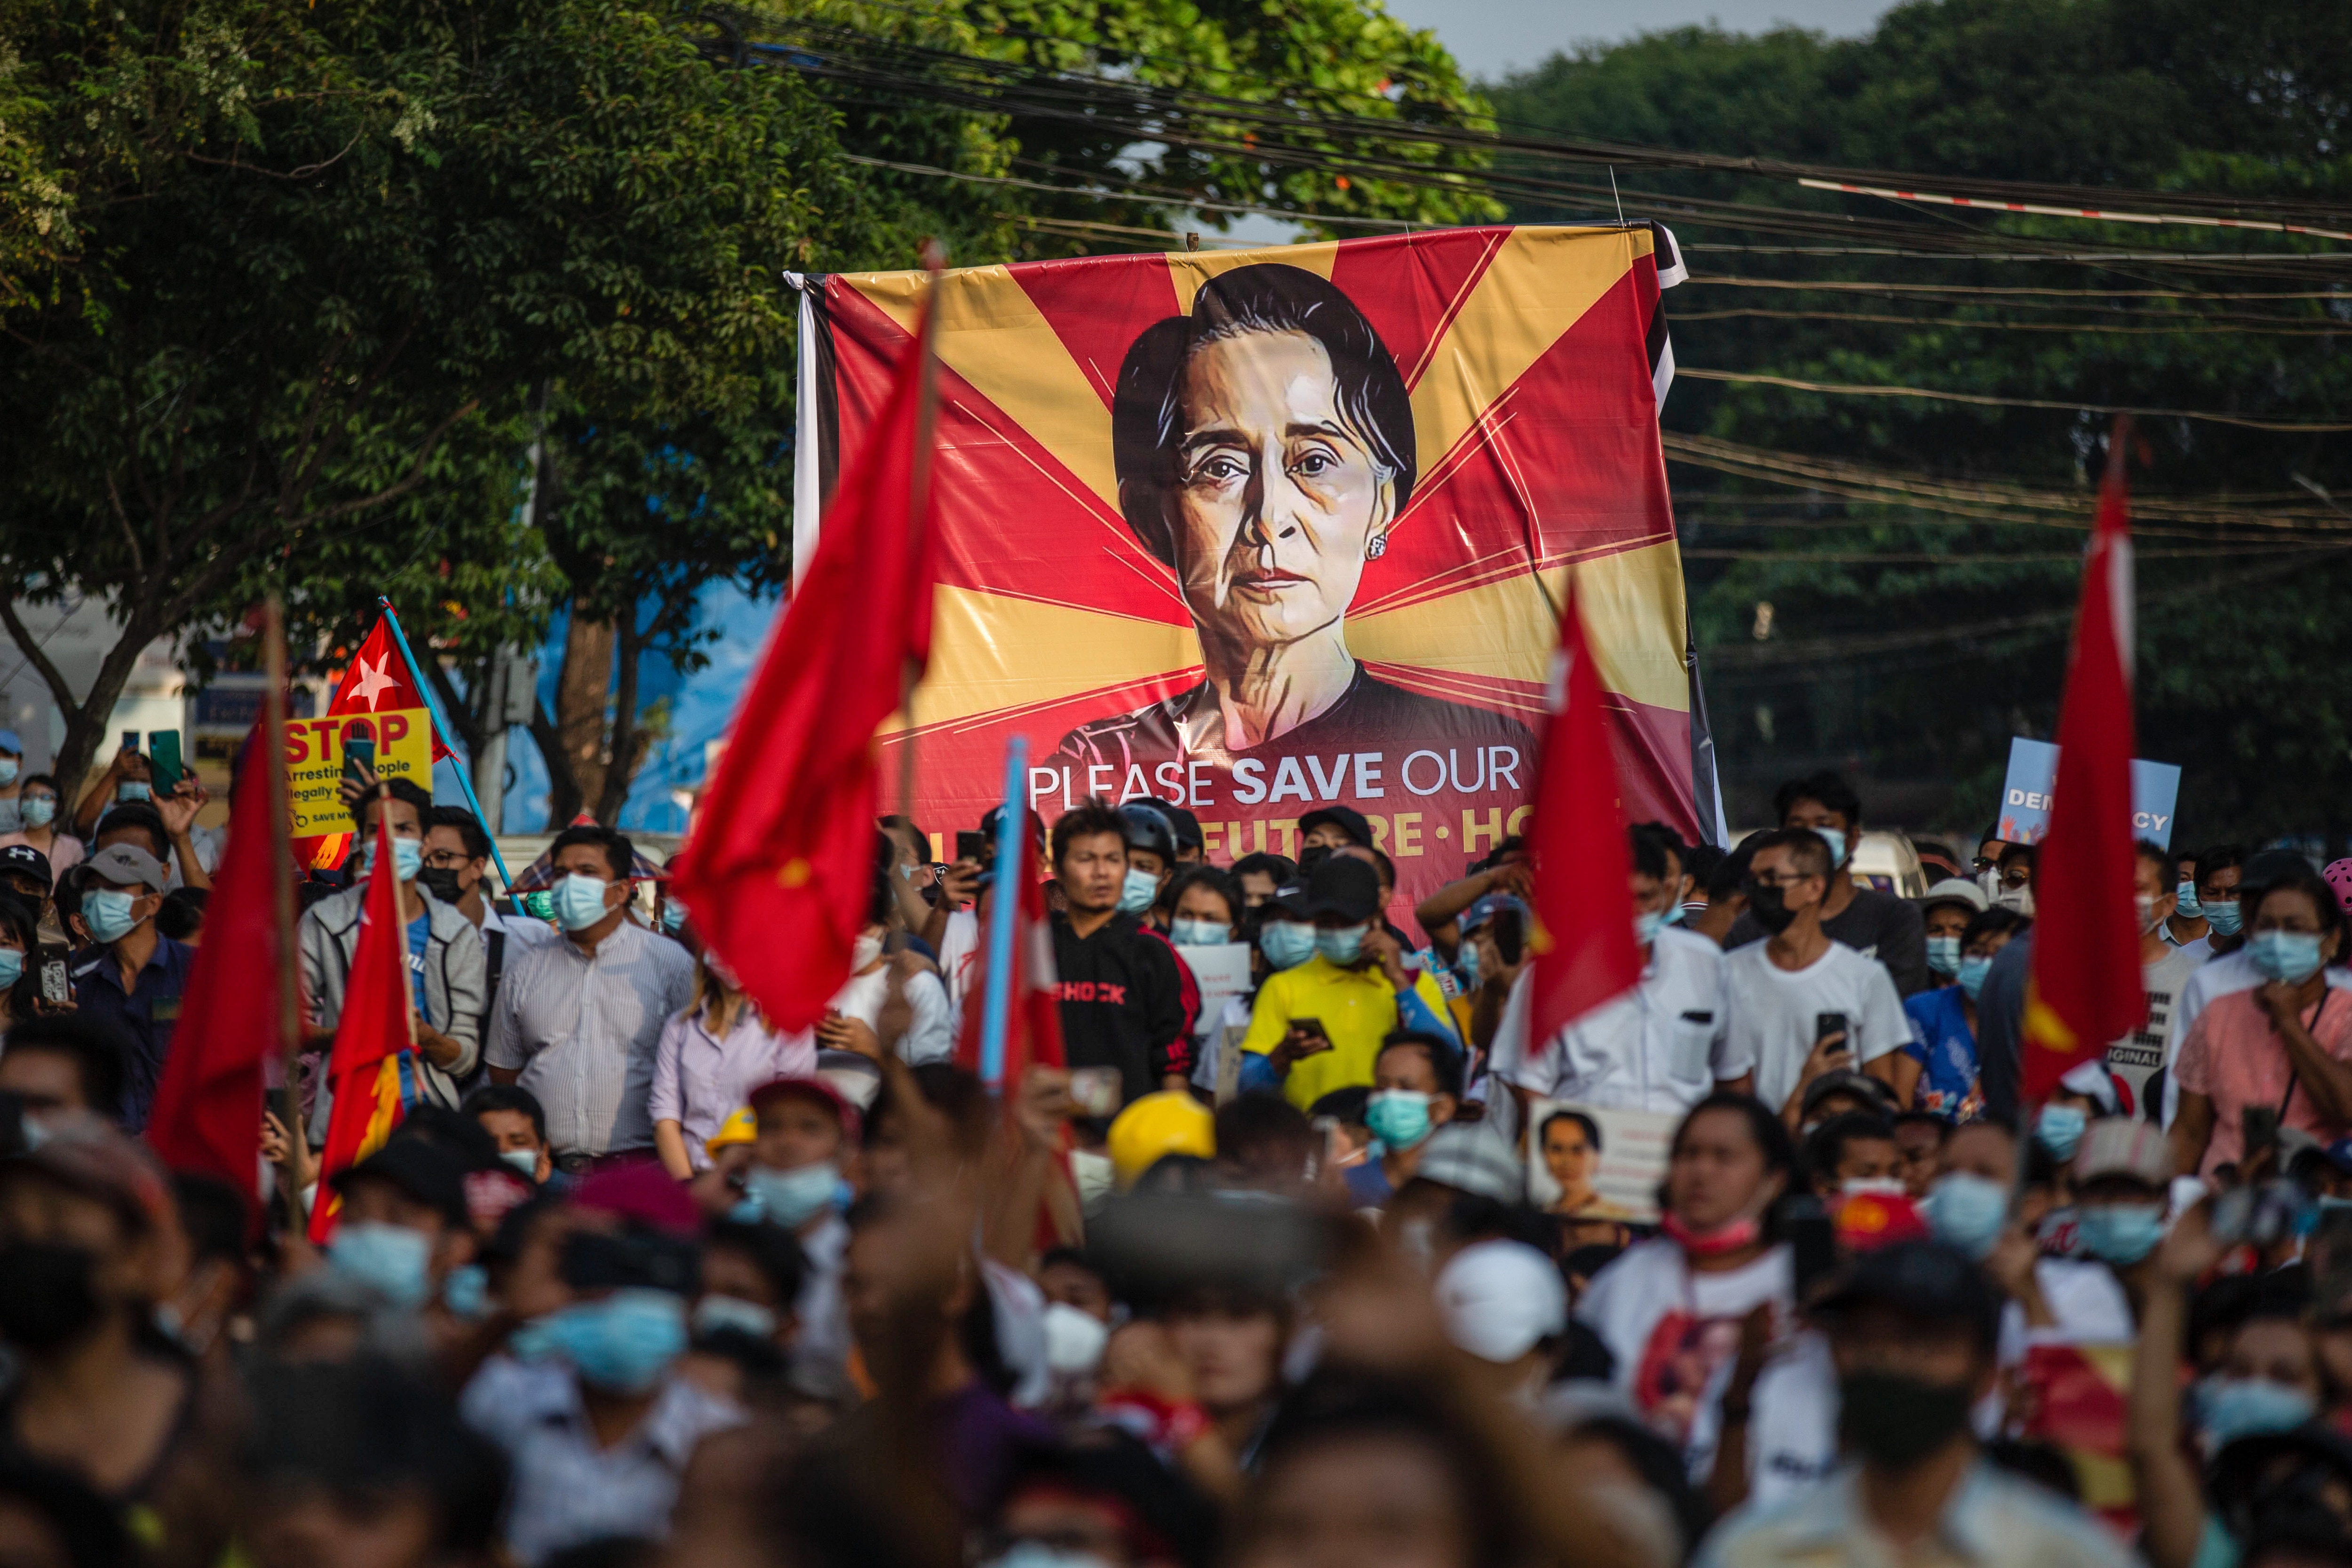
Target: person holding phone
column 1800, row 1003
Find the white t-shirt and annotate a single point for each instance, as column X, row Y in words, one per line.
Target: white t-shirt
column 2214, row 979
column 1773, row 1012
column 929, row 1038
column 1670, row 1326
column 1661, row 1047
column 959, row 960
column 2135, row 1057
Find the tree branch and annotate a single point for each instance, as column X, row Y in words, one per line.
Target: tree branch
column 34, row 654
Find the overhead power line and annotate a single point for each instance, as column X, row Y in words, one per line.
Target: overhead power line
column 1843, row 389
column 2104, row 214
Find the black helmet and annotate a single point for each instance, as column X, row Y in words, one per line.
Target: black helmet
column 1148, row 828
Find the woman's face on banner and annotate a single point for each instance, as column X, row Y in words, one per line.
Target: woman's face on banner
column 1568, row 1157
column 1278, row 495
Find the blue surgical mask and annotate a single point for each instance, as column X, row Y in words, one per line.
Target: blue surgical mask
column 1647, row 924
column 1287, row 945
column 673, row 915
column 2222, row 916
column 12, row 967
column 1399, row 1118
column 393, row 1258
column 2120, row 1234
column 1135, row 894
column 2289, row 955
column 2184, row 902
column 713, row 1313
column 130, row 789
column 1835, row 838
column 525, row 1161
column 1342, row 947
column 2060, row 1129
column 621, row 1343
column 580, row 901
column 2229, row 1408
column 106, row 912
column 467, row 1293
column 1968, row 1210
column 38, row 810
column 1465, row 963
column 1199, row 933
column 407, row 858
column 1971, row 974
column 8, row 766
column 1944, row 954
column 788, row 1198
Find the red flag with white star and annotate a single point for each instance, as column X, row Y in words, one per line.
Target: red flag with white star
column 376, row 681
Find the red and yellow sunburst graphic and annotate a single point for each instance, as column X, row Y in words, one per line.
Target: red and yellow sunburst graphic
column 1525, row 352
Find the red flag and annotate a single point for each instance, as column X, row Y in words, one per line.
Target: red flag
column 1032, row 1031
column 779, row 867
column 373, row 1067
column 376, row 681
column 1583, row 935
column 207, row 1114
column 2084, row 989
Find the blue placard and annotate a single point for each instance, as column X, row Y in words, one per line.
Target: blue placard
column 2034, row 768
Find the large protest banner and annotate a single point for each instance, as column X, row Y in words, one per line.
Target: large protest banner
column 1255, row 531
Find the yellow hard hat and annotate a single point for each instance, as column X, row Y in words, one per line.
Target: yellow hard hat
column 1169, row 1122
column 740, row 1127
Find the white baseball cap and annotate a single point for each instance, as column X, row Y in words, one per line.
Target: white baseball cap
column 1501, row 1298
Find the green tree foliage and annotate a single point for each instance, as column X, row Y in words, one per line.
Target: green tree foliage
column 1920, row 594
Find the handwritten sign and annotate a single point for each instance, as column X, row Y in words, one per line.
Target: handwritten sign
column 2026, row 792
column 314, row 762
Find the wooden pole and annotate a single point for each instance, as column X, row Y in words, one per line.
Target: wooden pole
column 281, row 879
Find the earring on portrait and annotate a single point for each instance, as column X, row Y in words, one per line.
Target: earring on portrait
column 1376, row 547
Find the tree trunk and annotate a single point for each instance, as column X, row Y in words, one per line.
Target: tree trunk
column 87, row 717
column 583, row 694
column 628, row 745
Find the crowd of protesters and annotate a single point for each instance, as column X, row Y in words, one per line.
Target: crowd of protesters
column 1336, row 1267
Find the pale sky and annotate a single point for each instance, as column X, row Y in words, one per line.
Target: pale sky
column 1492, row 37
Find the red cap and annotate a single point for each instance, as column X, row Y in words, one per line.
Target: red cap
column 643, row 1192
column 816, row 1088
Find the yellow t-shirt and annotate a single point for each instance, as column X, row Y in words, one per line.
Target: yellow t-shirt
column 1358, row 1009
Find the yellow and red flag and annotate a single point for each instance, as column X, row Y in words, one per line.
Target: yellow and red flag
column 373, row 1067
column 376, row 698
column 2085, row 987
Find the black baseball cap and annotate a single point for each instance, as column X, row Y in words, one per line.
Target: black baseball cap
column 1346, row 887
column 1187, row 826
column 421, row 1171
column 1289, row 902
column 1923, row 1279
column 24, row 857
column 1346, row 819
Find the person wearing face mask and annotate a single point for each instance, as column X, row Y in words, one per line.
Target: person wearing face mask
column 1663, row 1047
column 1150, row 858
column 403, row 1230
column 1912, row 1335
column 1416, row 1088
column 588, row 1403
column 577, row 1021
column 1876, row 925
column 2206, row 918
column 2226, row 885
column 1668, row 1309
column 709, row 1058
column 1320, row 1026
column 445, row 964
column 1205, row 911
column 852, row 1019
column 37, row 825
column 1944, row 910
column 89, row 1244
column 1122, row 999
column 1781, row 991
column 130, row 980
column 1944, row 1021
column 518, row 1125
column 456, row 871
column 743, row 1322
column 2165, row 969
column 806, row 1132
column 2285, row 1044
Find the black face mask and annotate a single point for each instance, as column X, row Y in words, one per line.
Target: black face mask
column 1769, row 902
column 1893, row 1419
column 46, row 1297
column 441, row 881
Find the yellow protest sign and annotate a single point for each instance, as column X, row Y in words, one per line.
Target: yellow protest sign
column 314, row 762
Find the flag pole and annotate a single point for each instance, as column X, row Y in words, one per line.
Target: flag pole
column 423, row 690
column 918, row 489
column 281, row 879
column 1004, row 909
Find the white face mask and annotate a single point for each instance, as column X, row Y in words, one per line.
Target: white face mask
column 862, row 952
column 1093, row 1175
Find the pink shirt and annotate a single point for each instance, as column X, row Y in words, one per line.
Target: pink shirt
column 2234, row 1057
column 65, row 851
